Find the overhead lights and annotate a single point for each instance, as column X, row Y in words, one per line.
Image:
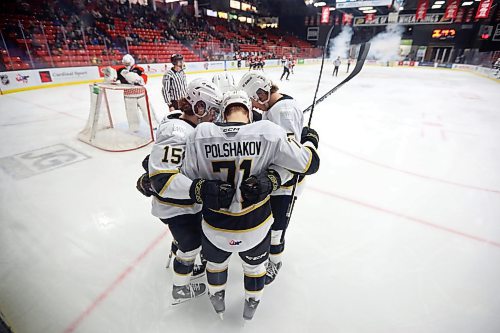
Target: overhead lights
column 365, row 8
column 332, row 9
column 371, row 11
column 439, row 2
column 401, row 8
column 467, row 3
column 320, row 4
column 436, row 6
column 309, row 2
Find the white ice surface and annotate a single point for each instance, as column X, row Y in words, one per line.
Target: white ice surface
column 398, row 232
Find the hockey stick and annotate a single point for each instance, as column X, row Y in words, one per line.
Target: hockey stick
column 294, row 197
column 363, row 52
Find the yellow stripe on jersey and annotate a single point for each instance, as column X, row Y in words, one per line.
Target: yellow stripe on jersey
column 238, row 231
column 288, row 187
column 173, row 172
column 245, row 211
column 310, row 159
column 164, row 188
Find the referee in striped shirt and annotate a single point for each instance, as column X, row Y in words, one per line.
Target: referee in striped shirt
column 174, row 83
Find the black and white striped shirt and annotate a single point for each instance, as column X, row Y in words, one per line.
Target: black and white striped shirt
column 174, row 86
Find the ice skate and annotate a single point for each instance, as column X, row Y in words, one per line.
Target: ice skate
column 218, row 302
column 198, row 271
column 250, row 308
column 272, row 270
column 182, row 294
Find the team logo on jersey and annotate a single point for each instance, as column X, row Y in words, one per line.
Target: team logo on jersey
column 22, row 78
column 230, row 129
column 5, row 79
column 235, row 242
column 257, row 257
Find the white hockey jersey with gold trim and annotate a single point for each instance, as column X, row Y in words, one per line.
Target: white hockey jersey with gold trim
column 166, row 158
column 286, row 113
column 232, row 152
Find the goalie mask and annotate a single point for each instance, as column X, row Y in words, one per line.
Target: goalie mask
column 225, row 81
column 257, row 86
column 204, row 98
column 237, row 97
column 128, row 60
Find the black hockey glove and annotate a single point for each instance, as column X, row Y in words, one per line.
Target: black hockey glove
column 256, row 188
column 213, row 194
column 309, row 135
column 145, row 163
column 144, row 185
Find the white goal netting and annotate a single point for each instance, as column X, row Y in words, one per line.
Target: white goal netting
column 120, row 118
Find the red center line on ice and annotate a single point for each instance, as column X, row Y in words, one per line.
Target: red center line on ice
column 406, row 217
column 444, row 181
column 117, row 281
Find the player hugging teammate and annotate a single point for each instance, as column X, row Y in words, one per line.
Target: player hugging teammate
column 237, row 171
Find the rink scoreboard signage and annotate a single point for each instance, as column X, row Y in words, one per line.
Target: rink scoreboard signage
column 361, row 3
column 443, row 34
column 312, row 33
column 402, row 19
column 483, row 11
column 496, row 34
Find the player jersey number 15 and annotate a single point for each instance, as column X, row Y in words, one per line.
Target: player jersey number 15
column 173, row 155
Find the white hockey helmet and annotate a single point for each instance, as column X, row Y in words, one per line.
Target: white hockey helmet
column 224, row 80
column 128, row 60
column 204, row 97
column 238, row 97
column 255, row 84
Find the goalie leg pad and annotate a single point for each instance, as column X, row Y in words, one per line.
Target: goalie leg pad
column 131, row 109
column 142, row 103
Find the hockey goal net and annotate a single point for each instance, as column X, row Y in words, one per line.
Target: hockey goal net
column 120, row 118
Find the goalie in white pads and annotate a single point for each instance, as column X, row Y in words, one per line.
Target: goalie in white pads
column 235, row 166
column 284, row 111
column 132, row 74
column 171, row 202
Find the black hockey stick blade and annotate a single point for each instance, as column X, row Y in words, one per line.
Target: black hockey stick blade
column 363, row 52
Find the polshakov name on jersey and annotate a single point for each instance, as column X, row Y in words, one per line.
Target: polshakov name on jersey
column 233, row 149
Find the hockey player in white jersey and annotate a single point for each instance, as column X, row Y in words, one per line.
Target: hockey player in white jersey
column 282, row 110
column 224, row 81
column 167, row 186
column 249, row 160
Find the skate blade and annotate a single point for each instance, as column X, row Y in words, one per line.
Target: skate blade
column 221, row 315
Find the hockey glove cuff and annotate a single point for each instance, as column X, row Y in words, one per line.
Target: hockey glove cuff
column 144, row 185
column 256, row 188
column 213, row 194
column 309, row 135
